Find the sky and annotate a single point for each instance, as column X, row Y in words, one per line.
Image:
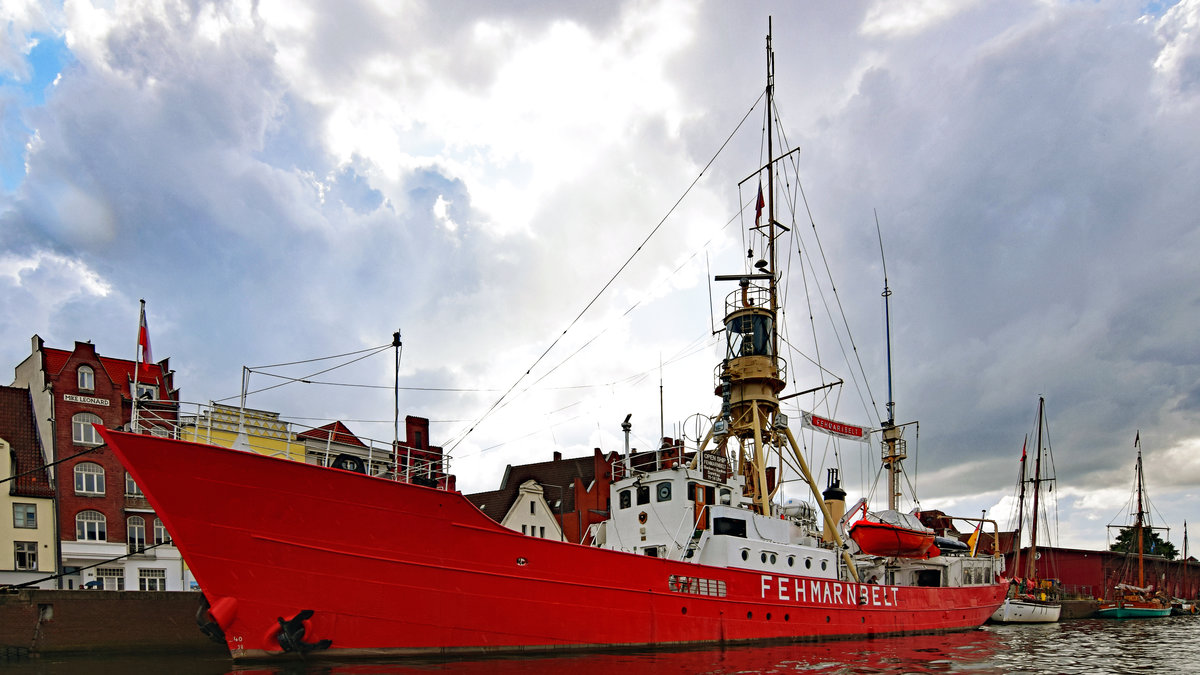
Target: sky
column 536, row 195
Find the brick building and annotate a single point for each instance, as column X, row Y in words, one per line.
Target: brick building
column 28, row 542
column 105, row 523
column 575, row 492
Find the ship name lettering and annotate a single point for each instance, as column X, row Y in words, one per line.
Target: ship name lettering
column 825, row 592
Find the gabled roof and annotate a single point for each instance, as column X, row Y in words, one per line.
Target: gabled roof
column 119, row 371
column 335, row 431
column 557, row 473
column 19, row 429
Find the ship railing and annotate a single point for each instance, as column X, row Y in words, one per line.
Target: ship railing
column 719, row 373
column 268, row 433
column 693, row 525
column 754, row 295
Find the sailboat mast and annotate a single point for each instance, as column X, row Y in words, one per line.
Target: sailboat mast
column 1137, row 524
column 1020, row 511
column 1037, row 489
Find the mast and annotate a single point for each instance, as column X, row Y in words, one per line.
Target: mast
column 1137, row 524
column 1020, row 512
column 1037, row 489
column 894, row 447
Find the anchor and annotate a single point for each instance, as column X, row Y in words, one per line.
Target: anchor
column 291, row 634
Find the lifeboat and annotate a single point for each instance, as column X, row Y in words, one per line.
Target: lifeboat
column 893, row 534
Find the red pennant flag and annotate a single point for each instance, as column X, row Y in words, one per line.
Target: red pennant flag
column 758, row 207
column 143, row 341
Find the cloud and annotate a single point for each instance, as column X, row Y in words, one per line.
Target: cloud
column 284, row 181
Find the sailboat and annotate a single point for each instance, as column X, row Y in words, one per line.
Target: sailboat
column 303, row 559
column 1031, row 599
column 1127, row 601
column 1181, row 605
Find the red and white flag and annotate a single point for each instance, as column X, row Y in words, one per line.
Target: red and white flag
column 144, row 341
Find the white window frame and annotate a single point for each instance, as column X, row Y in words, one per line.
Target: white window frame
column 131, row 487
column 89, row 479
column 140, row 387
column 82, row 431
column 115, row 575
column 150, row 579
column 25, row 516
column 91, row 525
column 135, row 533
column 85, row 378
column 160, row 532
column 25, row 556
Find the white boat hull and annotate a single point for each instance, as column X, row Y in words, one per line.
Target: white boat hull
column 1026, row 611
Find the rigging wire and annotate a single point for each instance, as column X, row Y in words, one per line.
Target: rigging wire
column 459, row 438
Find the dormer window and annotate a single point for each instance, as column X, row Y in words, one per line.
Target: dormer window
column 86, row 378
column 146, row 392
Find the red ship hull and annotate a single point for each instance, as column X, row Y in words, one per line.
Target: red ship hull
column 388, row 567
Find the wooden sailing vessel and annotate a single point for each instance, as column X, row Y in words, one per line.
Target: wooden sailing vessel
column 1125, row 600
column 1033, row 598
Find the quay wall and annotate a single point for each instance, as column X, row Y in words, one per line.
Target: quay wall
column 51, row 622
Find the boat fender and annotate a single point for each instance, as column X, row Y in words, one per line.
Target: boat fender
column 291, row 634
column 1193, row 610
column 208, row 625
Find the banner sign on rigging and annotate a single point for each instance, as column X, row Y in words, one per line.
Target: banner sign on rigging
column 835, row 428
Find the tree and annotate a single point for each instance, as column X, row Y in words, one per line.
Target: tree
column 1152, row 544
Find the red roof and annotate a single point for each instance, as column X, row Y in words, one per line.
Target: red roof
column 18, row 428
column 335, row 431
column 119, row 371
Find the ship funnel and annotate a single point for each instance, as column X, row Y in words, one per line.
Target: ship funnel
column 835, row 503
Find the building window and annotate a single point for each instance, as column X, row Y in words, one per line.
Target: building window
column 89, row 526
column 160, row 532
column 82, row 431
column 86, row 378
column 131, row 487
column 146, row 392
column 152, row 580
column 111, row 578
column 89, row 479
column 532, row 506
column 26, row 552
column 135, row 529
column 524, row 529
column 542, row 531
column 25, row 516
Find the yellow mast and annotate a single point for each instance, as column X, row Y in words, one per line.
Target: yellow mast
column 752, row 374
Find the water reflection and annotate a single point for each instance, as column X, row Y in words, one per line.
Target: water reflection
column 1080, row 646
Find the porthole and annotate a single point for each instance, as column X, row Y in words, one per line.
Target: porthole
column 787, row 617
column 745, row 554
column 823, row 565
column 791, row 561
column 684, row 609
column 749, row 615
column 768, row 616
column 763, row 556
column 807, row 563
column 826, row 618
column 772, row 558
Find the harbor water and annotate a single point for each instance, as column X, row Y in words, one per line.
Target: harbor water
column 1075, row 646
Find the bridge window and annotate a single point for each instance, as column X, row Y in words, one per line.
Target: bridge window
column 664, row 492
column 624, row 499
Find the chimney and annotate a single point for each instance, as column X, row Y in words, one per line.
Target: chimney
column 557, row 456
